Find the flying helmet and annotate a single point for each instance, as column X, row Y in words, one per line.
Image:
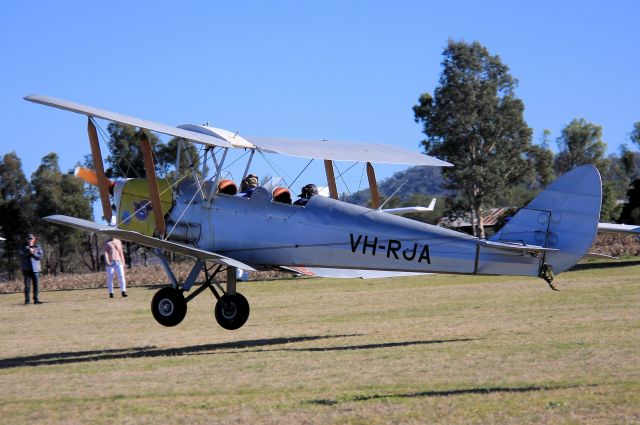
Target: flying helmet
column 251, row 181
column 308, row 191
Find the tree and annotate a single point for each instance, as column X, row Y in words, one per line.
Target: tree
column 125, row 158
column 580, row 143
column 57, row 193
column 631, row 210
column 610, row 210
column 542, row 158
column 635, row 134
column 16, row 211
column 167, row 155
column 628, row 162
column 475, row 121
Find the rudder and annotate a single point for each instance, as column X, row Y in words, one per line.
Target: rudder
column 564, row 216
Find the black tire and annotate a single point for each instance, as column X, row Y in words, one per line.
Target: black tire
column 168, row 306
column 232, row 311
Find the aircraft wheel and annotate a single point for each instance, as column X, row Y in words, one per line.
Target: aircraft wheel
column 232, row 311
column 168, row 306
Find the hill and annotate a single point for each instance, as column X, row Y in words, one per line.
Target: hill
column 419, row 181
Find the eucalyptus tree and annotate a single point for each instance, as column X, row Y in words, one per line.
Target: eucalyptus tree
column 475, row 121
column 16, row 211
column 124, row 158
column 580, row 143
column 55, row 192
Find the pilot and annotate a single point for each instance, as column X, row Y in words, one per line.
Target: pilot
column 248, row 185
column 307, row 192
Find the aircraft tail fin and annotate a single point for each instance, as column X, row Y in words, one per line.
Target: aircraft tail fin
column 564, row 216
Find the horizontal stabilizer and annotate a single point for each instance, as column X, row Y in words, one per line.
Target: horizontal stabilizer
column 516, row 247
column 601, row 256
column 148, row 241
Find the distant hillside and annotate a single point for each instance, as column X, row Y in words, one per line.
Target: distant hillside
column 420, row 180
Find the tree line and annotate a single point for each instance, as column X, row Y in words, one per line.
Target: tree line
column 48, row 192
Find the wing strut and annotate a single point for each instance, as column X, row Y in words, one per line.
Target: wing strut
column 331, row 178
column 373, row 187
column 154, row 192
column 103, row 182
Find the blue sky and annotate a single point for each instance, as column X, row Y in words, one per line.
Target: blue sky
column 345, row 70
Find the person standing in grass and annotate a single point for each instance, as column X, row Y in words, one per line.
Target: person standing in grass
column 30, row 256
column 114, row 259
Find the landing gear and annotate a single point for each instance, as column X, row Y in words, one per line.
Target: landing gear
column 169, row 305
column 232, row 311
column 546, row 274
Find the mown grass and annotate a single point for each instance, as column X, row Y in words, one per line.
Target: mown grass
column 428, row 349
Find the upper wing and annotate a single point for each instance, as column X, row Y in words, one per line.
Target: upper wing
column 90, row 111
column 322, row 149
column 138, row 238
column 344, row 151
column 317, row 149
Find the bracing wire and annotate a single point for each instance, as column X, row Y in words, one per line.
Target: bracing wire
column 282, row 172
column 170, row 188
column 238, row 158
column 300, row 173
column 190, row 201
column 347, row 170
column 103, row 133
column 341, row 178
column 393, row 194
column 364, row 166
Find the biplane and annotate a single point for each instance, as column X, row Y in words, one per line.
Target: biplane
column 204, row 218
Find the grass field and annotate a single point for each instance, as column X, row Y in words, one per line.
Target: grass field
column 429, row 349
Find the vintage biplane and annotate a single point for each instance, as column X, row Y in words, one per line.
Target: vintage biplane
column 205, row 219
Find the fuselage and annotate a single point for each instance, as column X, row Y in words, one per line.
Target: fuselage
column 332, row 234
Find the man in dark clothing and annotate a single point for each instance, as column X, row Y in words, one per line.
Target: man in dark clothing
column 307, row 192
column 30, row 256
column 248, row 186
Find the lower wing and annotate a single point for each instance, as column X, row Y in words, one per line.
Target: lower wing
column 148, row 241
column 347, row 273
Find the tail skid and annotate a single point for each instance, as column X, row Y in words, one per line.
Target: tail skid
column 564, row 216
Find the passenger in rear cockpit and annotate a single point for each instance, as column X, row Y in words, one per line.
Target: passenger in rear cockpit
column 248, row 185
column 307, row 192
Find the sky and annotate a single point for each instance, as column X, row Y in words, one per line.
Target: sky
column 342, row 70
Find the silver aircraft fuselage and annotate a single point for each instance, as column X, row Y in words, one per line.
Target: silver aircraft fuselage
column 329, row 233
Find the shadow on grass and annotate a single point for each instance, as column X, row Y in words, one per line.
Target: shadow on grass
column 382, row 345
column 604, row 265
column 149, row 351
column 446, row 393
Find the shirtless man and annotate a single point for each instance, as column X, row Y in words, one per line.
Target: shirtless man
column 114, row 259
